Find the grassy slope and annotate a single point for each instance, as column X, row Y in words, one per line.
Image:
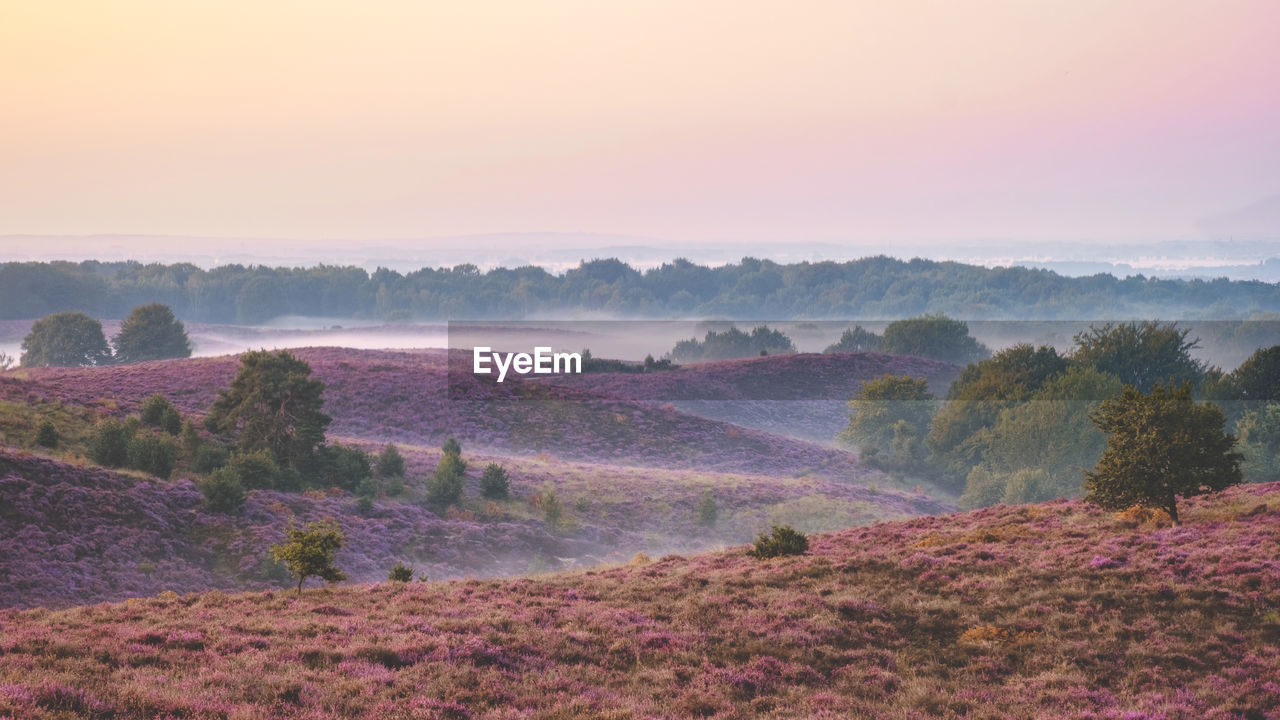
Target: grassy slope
column 73, row 533
column 1047, row 611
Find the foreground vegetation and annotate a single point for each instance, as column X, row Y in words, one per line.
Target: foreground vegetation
column 1044, row 611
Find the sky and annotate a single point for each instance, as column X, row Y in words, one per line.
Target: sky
column 718, row 121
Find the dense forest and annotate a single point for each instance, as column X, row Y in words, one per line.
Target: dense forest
column 876, row 287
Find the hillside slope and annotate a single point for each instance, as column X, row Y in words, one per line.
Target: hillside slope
column 406, row 397
column 75, row 534
column 1048, row 611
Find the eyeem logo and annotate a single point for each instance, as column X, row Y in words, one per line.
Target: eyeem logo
column 541, row 362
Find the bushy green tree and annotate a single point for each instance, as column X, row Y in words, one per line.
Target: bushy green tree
column 109, row 442
column 783, row 540
column 451, row 446
column 47, row 434
column 888, row 419
column 151, row 332
column 311, row 552
column 959, row 430
column 189, row 440
column 256, row 470
column 1258, row 378
column 856, row 339
column 157, row 411
column 400, row 573
column 345, row 466
column 209, row 457
column 390, row 462
column 65, row 339
column 152, row 454
column 274, row 404
column 933, row 336
column 1140, row 354
column 494, row 483
column 552, row 510
column 1259, row 433
column 707, row 511
column 222, row 491
column 1038, row 449
column 445, row 485
column 1160, row 446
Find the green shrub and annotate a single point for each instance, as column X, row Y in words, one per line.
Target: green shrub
column 494, row 483
column 784, row 540
column 156, row 411
column 345, row 466
column 109, row 443
column 400, row 573
column 445, row 486
column 707, row 511
column 395, row 485
column 552, row 511
column 222, row 491
column 390, row 462
column 152, row 454
column 256, row 470
column 47, row 435
column 209, row 457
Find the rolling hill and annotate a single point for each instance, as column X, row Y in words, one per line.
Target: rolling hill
column 412, row 397
column 1044, row 611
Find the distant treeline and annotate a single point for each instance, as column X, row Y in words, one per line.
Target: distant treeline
column 877, row 287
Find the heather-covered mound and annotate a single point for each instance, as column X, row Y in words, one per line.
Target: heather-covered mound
column 1048, row 611
column 802, row 395
column 73, row 534
column 406, row 397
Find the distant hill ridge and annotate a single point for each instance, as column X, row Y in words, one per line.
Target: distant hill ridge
column 871, row 288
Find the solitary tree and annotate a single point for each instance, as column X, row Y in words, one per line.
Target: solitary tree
column 494, row 483
column 65, row 339
column 445, row 486
column 151, row 332
column 311, row 552
column 390, row 462
column 273, row 403
column 1160, row 446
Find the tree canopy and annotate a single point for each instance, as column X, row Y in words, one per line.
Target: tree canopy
column 1140, row 354
column 1161, row 446
column 151, row 332
column 65, row 339
column 889, row 417
column 933, row 336
column 273, row 404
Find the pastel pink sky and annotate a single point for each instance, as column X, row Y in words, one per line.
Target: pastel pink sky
column 682, row 120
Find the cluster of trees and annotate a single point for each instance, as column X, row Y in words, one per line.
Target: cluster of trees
column 445, row 486
column 150, row 332
column 870, row 287
column 1027, row 424
column 733, row 343
column 152, row 441
column 933, row 336
column 268, row 432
